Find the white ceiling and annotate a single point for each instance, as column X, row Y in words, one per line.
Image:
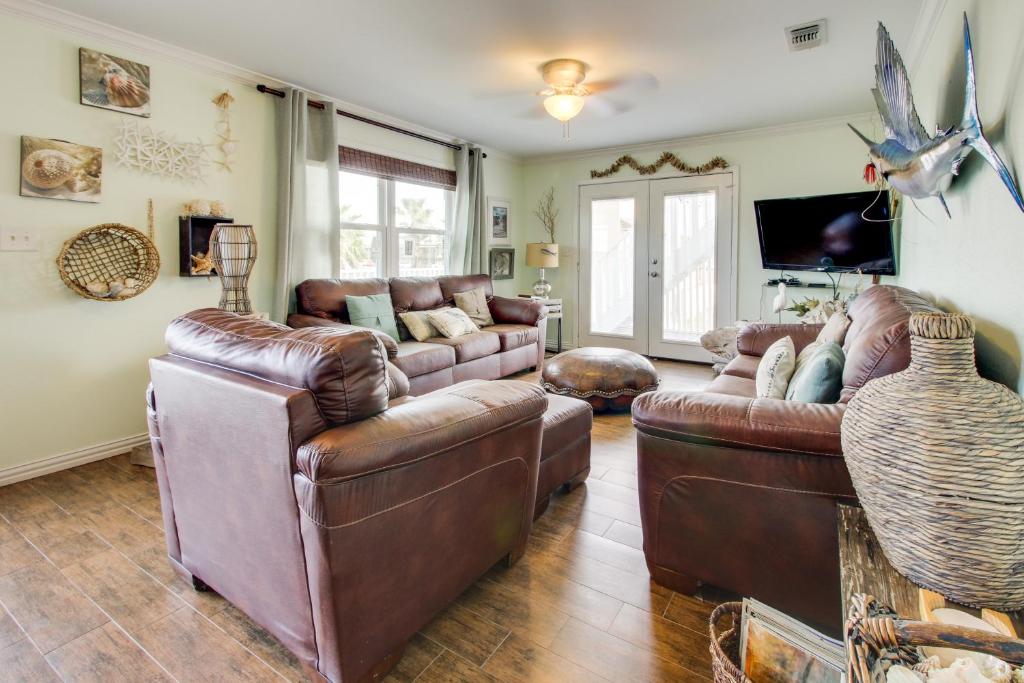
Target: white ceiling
column 469, row 68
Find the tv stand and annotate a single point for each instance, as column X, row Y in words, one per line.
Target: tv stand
column 789, row 281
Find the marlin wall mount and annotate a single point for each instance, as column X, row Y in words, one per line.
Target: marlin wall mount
column 914, row 163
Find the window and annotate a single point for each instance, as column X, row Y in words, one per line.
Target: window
column 392, row 227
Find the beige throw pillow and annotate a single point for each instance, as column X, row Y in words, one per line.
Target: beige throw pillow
column 474, row 303
column 835, row 329
column 775, row 369
column 419, row 325
column 453, row 322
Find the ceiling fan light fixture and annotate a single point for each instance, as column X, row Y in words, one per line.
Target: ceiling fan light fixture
column 563, row 106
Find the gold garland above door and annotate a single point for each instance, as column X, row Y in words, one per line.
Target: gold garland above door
column 665, row 158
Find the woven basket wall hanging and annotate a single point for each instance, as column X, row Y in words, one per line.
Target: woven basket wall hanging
column 108, row 262
column 936, row 454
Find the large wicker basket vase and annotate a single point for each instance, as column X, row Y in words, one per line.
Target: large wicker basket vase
column 936, row 454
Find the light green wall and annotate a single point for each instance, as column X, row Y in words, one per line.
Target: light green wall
column 74, row 371
column 972, row 262
column 816, row 158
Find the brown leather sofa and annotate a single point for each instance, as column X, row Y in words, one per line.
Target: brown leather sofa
column 514, row 343
column 296, row 481
column 739, row 492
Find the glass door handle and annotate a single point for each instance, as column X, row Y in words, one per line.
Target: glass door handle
column 654, row 262
column 654, row 273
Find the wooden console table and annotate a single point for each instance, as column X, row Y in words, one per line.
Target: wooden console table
column 864, row 568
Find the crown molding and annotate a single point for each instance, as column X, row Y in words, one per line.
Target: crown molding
column 924, row 30
column 659, row 146
column 98, row 30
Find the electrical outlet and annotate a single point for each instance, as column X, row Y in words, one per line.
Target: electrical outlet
column 19, row 239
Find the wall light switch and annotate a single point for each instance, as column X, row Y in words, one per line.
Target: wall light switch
column 19, row 239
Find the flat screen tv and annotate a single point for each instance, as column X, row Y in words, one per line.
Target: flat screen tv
column 833, row 232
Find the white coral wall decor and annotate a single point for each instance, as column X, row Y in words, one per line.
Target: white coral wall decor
column 140, row 148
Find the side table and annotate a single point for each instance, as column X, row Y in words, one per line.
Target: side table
column 554, row 313
column 863, row 568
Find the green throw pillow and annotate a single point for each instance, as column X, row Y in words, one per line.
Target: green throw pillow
column 373, row 311
column 819, row 379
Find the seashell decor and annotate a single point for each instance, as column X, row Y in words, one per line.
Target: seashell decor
column 58, row 169
column 122, row 89
column 205, row 207
column 48, row 168
column 227, row 144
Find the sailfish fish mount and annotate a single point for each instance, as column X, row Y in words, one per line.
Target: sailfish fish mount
column 913, row 162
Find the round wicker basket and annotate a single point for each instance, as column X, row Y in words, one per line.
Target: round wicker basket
column 725, row 643
column 105, row 254
column 936, row 454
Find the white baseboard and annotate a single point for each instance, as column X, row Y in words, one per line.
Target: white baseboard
column 70, row 459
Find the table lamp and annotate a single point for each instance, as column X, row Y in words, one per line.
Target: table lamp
column 542, row 255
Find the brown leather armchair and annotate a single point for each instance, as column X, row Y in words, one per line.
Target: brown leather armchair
column 338, row 519
column 740, row 492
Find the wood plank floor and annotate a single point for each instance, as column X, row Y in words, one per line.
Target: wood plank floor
column 88, row 595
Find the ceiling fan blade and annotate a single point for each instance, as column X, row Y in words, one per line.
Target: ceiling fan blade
column 636, row 81
column 604, row 107
column 500, row 94
column 537, row 111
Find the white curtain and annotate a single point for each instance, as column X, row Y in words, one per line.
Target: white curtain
column 468, row 254
column 309, row 216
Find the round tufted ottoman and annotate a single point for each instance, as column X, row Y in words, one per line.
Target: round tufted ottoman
column 609, row 379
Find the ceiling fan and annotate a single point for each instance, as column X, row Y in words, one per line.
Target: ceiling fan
column 565, row 95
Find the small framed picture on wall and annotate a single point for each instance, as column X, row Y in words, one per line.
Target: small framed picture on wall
column 498, row 214
column 503, row 263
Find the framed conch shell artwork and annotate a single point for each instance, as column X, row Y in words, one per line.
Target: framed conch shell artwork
column 113, row 83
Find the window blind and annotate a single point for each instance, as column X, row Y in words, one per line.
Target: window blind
column 361, row 161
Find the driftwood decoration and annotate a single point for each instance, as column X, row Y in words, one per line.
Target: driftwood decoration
column 665, row 158
column 876, row 639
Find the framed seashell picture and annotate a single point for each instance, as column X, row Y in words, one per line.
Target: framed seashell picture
column 113, row 83
column 58, row 169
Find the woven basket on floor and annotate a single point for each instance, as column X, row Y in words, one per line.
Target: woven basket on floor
column 936, row 454
column 107, row 253
column 725, row 644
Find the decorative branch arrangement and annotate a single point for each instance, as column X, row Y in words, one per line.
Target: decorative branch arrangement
column 665, row 158
column 547, row 213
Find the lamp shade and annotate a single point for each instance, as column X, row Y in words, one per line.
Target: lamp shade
column 563, row 107
column 542, row 255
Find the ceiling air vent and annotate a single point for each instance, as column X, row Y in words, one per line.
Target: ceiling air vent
column 806, row 36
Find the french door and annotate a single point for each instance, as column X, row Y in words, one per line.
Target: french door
column 657, row 262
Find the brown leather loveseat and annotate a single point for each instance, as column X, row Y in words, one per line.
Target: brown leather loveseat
column 740, row 492
column 296, row 482
column 514, row 343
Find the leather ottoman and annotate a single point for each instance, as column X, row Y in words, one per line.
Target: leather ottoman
column 565, row 449
column 608, row 379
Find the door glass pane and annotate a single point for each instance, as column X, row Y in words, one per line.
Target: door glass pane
column 358, row 198
column 420, row 254
column 612, row 228
column 361, row 254
column 419, row 206
column 688, row 304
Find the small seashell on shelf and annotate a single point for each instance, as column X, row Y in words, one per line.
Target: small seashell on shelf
column 197, row 207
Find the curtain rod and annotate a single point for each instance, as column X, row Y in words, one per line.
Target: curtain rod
column 349, row 115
